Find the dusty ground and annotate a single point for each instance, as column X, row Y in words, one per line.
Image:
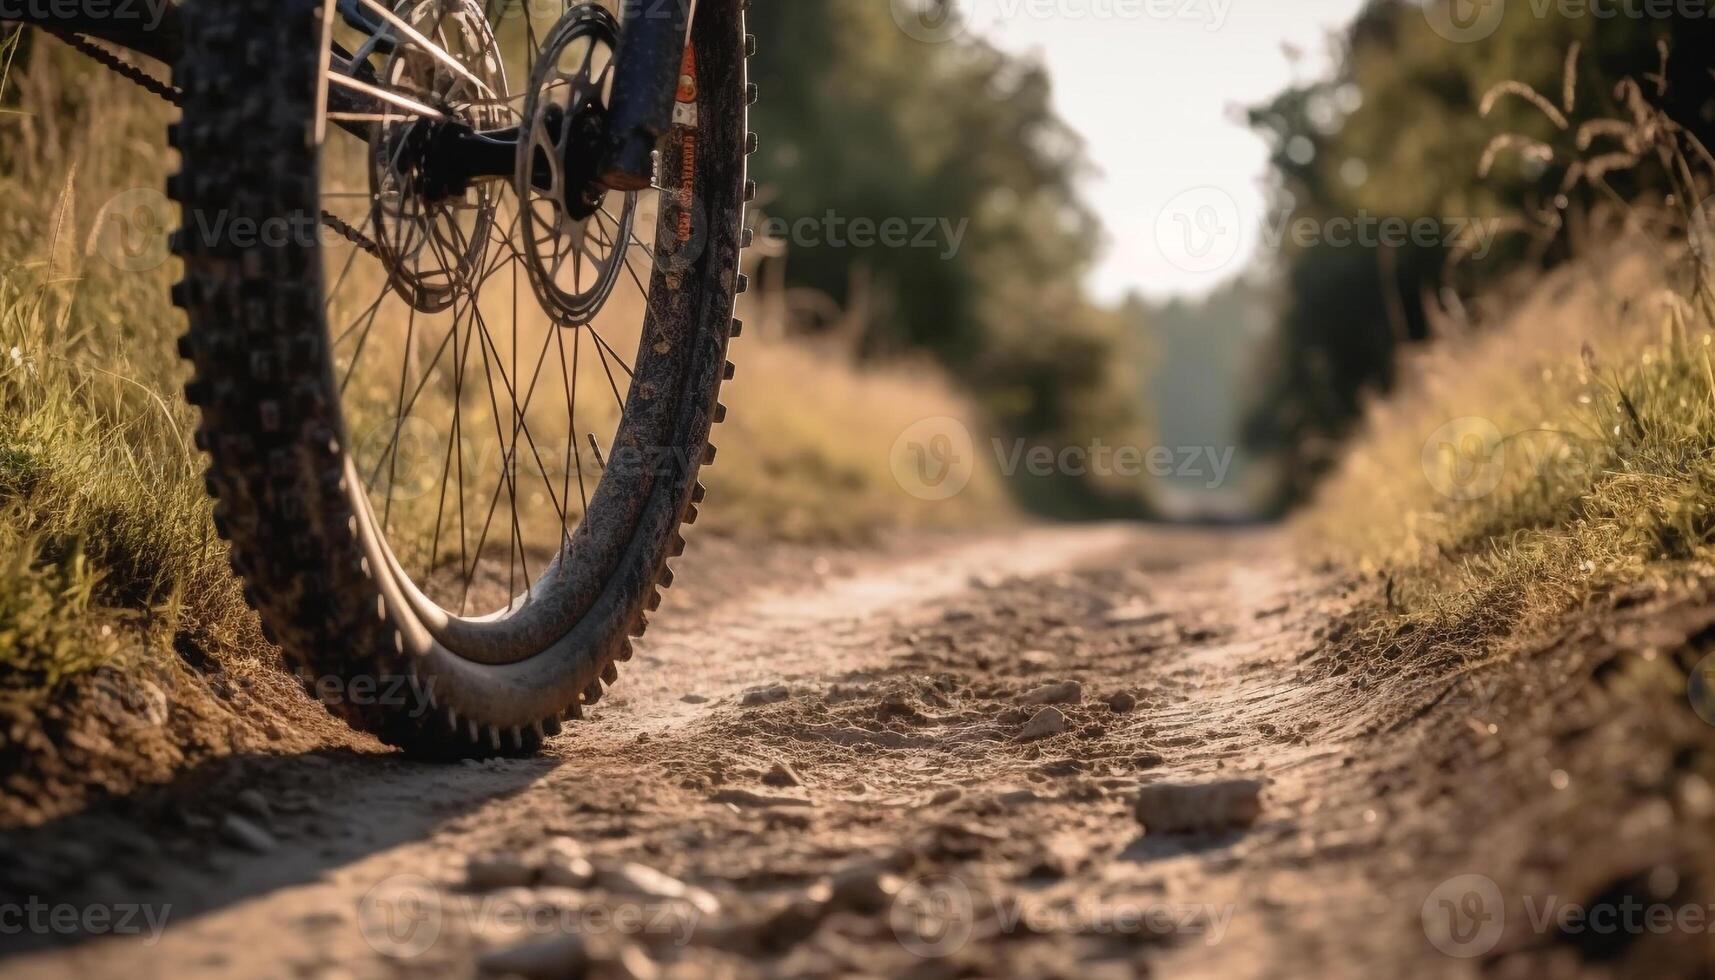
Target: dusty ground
column 930, row 765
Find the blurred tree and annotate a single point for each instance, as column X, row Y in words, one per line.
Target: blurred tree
column 1398, row 133
column 862, row 121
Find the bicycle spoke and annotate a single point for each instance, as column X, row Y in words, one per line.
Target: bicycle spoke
column 571, row 420
column 410, row 106
column 363, row 341
column 614, row 354
column 399, row 420
column 432, row 49
column 616, row 396
column 465, row 353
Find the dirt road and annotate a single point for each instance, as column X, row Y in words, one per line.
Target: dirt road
column 931, row 765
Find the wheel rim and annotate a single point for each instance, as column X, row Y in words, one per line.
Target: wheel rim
column 498, row 441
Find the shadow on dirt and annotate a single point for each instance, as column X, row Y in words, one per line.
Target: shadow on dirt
column 229, row 830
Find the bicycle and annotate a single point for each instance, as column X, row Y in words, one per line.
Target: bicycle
column 413, row 234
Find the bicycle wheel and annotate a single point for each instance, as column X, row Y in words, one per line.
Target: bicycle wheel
column 455, row 400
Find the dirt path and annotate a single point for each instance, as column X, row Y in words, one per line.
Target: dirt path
column 924, row 768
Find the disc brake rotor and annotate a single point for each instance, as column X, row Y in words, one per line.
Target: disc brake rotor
column 434, row 241
column 574, row 236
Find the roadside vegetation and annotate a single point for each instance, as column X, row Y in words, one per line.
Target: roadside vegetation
column 104, row 526
column 1560, row 442
column 863, row 122
column 1405, row 130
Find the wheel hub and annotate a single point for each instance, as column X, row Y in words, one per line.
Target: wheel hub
column 583, row 189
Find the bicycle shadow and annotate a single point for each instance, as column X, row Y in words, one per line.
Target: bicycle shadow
column 201, row 843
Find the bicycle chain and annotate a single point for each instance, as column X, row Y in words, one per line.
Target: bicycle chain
column 174, row 96
column 350, row 234
column 108, row 59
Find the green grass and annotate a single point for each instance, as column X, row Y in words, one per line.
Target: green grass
column 1565, row 448
column 101, row 504
column 1602, row 394
column 106, row 550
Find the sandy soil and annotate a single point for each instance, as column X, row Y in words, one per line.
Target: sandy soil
column 1097, row 752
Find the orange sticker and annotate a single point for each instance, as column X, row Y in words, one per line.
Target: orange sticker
column 688, row 75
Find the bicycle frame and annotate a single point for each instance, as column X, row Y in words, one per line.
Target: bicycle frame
column 646, row 65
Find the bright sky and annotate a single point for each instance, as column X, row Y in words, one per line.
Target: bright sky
column 1154, row 86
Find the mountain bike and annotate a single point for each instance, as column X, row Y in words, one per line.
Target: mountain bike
column 460, row 280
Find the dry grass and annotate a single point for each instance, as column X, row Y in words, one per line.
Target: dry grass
column 103, row 521
column 1568, row 448
column 808, row 447
column 1564, row 450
